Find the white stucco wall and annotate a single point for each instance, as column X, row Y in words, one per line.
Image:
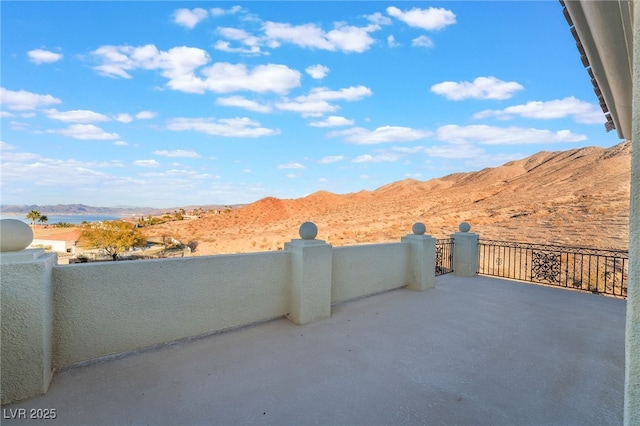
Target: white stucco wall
column 56, row 245
column 112, row 307
column 632, row 337
column 26, row 323
column 368, row 269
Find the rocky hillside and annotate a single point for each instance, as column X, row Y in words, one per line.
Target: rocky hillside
column 576, row 197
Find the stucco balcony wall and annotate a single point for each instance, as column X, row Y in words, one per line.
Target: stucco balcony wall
column 97, row 310
column 113, row 307
column 367, row 269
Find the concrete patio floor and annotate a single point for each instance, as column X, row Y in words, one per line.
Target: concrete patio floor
column 470, row 351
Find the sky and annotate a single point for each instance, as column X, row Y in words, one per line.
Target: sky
column 165, row 104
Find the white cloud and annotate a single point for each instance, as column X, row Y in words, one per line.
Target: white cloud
column 189, row 18
column 331, row 159
column 179, row 65
column 224, row 77
column 218, row 11
column 146, row 115
column 146, row 163
column 22, row 100
column 228, row 127
column 308, row 108
column 379, row 158
column 41, row 56
column 332, row 121
column 18, row 125
column 76, row 116
column 184, row 153
column 86, row 132
column 379, row 19
column 251, row 42
column 317, row 72
column 491, row 135
column 240, row 102
column 4, row 145
column 293, row 175
column 582, row 112
column 359, row 135
column 5, row 114
column 124, row 118
column 422, row 41
column 316, row 102
column 225, row 46
column 353, row 93
column 120, row 143
column 391, row 41
column 480, row 88
column 343, row 37
column 427, row 19
column 291, row 166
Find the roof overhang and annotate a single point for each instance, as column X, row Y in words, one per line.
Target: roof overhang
column 604, row 37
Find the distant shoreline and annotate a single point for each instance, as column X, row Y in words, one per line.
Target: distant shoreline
column 74, row 219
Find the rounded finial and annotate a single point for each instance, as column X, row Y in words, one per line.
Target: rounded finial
column 464, row 227
column 418, row 228
column 308, row 231
column 15, row 235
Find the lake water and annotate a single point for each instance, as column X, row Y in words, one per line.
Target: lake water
column 74, row 219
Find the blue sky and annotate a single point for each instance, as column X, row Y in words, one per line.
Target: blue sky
column 165, row 104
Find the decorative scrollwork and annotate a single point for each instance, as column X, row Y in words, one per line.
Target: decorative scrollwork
column 545, row 267
column 443, row 256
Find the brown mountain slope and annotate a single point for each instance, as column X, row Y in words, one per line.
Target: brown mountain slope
column 575, row 197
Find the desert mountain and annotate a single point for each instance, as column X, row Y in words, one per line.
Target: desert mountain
column 576, row 197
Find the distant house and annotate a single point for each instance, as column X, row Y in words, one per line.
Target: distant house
column 63, row 243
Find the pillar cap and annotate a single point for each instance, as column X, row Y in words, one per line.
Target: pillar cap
column 15, row 235
column 418, row 228
column 464, row 227
column 308, row 231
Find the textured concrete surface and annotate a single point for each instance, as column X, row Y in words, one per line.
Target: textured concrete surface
column 107, row 308
column 470, row 351
column 26, row 322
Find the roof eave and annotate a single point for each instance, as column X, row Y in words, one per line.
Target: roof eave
column 603, row 32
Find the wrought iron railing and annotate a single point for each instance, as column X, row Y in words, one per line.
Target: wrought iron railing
column 588, row 269
column 444, row 256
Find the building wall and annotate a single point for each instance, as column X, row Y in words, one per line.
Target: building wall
column 56, row 245
column 113, row 307
column 632, row 342
column 354, row 274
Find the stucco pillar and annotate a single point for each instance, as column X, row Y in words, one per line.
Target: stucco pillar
column 311, row 265
column 27, row 316
column 422, row 266
column 465, row 252
column 632, row 336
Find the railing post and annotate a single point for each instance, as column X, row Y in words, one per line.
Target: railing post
column 465, row 252
column 27, row 313
column 422, row 264
column 311, row 265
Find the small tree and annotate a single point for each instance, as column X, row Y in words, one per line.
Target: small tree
column 112, row 237
column 34, row 215
column 43, row 219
